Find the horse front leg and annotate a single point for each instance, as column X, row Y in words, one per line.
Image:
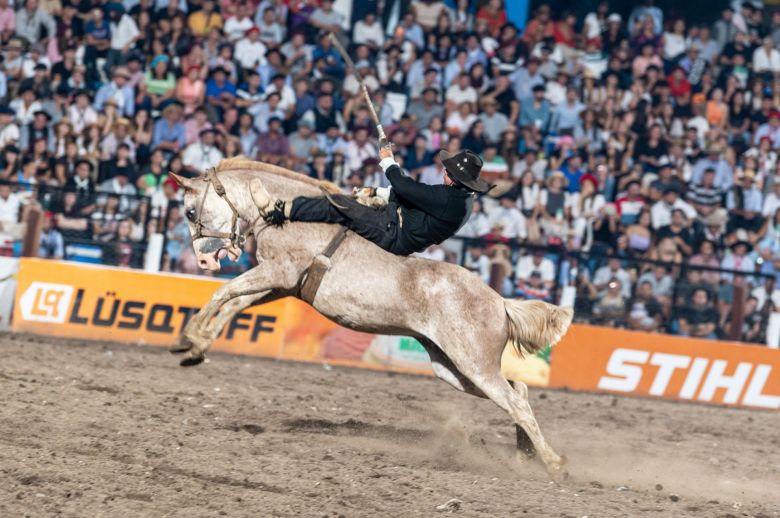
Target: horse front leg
column 251, row 287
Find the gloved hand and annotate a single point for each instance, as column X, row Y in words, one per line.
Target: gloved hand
column 386, row 151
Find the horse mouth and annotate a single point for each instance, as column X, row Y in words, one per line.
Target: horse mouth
column 231, row 252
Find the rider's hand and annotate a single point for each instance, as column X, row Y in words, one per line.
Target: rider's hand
column 385, row 151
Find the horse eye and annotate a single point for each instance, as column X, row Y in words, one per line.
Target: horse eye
column 191, row 215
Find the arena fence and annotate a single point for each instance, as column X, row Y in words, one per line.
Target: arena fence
column 66, row 299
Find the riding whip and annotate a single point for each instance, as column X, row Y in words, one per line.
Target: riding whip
column 341, row 50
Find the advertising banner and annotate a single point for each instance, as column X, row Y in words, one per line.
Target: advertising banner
column 643, row 364
column 59, row 298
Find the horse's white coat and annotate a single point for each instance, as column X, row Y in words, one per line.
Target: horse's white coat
column 462, row 323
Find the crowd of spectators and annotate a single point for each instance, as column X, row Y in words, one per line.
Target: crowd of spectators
column 626, row 135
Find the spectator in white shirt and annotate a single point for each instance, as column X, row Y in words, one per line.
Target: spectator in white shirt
column 9, row 131
column 536, row 262
column 9, row 205
column 360, row 148
column 508, row 216
column 461, row 92
column 766, row 58
column 250, row 51
column 81, row 113
column 476, row 261
column 238, row 25
column 661, row 213
column 369, row 32
column 202, row 155
column 124, row 33
column 772, row 201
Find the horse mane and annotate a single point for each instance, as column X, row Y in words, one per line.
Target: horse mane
column 242, row 162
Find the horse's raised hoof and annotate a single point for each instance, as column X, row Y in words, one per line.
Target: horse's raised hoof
column 192, row 361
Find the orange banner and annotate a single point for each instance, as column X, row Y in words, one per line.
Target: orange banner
column 627, row 362
column 59, row 298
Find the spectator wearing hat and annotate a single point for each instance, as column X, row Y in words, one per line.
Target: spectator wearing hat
column 250, row 51
column 169, row 131
column 39, row 81
column 13, row 59
column 119, row 91
column 120, row 134
column 202, row 155
column 495, row 122
column 331, row 141
column 249, row 94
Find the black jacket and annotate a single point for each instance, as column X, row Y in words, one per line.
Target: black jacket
column 430, row 214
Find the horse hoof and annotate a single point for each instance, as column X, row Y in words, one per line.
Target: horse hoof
column 192, row 361
column 558, row 471
column 184, row 345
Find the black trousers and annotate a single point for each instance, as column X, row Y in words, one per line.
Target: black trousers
column 379, row 226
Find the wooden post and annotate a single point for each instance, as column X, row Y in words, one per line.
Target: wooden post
column 32, row 234
column 737, row 311
column 498, row 274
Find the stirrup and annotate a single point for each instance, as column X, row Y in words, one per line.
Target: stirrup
column 275, row 216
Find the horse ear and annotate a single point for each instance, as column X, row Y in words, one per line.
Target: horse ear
column 180, row 180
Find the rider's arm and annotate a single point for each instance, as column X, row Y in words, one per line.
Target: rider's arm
column 428, row 198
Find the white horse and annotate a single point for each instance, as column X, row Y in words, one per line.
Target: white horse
column 462, row 323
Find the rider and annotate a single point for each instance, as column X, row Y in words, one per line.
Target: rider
column 416, row 215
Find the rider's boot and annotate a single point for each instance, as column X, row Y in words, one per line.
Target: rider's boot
column 273, row 210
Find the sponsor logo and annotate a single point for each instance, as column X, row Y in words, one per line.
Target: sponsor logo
column 63, row 304
column 741, row 383
column 46, row 302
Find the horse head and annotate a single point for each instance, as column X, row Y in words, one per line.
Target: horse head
column 214, row 222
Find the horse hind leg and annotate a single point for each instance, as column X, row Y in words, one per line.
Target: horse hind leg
column 445, row 370
column 487, row 378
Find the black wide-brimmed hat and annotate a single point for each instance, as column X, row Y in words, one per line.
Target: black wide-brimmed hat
column 464, row 167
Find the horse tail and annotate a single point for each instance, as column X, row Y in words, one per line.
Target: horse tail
column 534, row 324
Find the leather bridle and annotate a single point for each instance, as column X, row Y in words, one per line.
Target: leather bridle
column 236, row 238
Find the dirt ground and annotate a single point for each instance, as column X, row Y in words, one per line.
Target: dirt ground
column 113, row 430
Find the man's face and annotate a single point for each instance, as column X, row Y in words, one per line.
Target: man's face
column 699, row 298
column 82, row 170
column 614, row 264
column 5, row 191
column 645, row 290
column 709, row 178
column 677, row 218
